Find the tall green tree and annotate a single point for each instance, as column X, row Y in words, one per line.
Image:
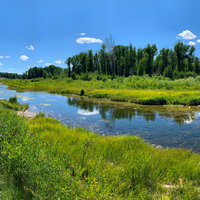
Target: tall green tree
column 102, row 53
column 142, row 65
column 191, row 58
column 90, row 61
column 181, row 50
column 110, row 44
column 140, row 55
column 133, row 59
column 68, row 62
column 83, row 62
column 196, row 64
column 164, row 53
column 96, row 63
column 172, row 59
column 151, row 51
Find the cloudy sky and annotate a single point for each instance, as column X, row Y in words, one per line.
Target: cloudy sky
column 43, row 32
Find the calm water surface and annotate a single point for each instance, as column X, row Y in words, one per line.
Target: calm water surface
column 163, row 125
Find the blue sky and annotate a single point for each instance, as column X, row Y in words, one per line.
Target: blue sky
column 40, row 32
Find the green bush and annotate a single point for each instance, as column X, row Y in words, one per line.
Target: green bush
column 99, row 77
column 153, row 101
column 73, row 75
column 86, row 77
column 13, row 99
column 82, row 92
column 104, row 79
column 194, row 101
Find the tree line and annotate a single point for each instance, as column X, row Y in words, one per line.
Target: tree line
column 120, row 60
column 127, row 60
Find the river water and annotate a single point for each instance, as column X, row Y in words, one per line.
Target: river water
column 160, row 125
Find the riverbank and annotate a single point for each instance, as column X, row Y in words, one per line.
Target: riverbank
column 46, row 160
column 122, row 92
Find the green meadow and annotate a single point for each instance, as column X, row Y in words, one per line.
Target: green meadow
column 146, row 90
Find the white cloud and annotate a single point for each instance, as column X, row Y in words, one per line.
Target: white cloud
column 85, row 112
column 49, row 64
column 1, row 56
column 198, row 41
column 82, row 34
column 58, row 61
column 24, row 57
column 10, row 69
column 7, row 56
column 39, row 61
column 192, row 43
column 28, row 66
column 30, row 47
column 1, row 63
column 187, row 35
column 88, row 40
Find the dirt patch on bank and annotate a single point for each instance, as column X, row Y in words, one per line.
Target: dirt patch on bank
column 27, row 114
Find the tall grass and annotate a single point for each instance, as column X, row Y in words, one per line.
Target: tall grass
column 47, row 160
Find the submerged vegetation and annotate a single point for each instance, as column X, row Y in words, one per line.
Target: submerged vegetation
column 43, row 159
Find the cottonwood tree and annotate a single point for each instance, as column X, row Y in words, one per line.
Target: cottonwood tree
column 110, row 44
column 181, row 50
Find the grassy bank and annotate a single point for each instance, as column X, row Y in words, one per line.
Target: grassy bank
column 12, row 104
column 141, row 90
column 43, row 159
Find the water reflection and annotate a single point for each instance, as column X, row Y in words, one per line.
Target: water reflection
column 110, row 113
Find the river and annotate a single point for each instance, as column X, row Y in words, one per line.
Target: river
column 160, row 125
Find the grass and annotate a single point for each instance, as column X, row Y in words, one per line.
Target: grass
column 13, row 104
column 43, row 159
column 142, row 90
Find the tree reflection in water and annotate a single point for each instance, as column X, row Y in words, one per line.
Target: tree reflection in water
column 110, row 112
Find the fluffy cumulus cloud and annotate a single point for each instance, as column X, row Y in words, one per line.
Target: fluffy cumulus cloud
column 10, row 69
column 49, row 64
column 1, row 63
column 24, row 57
column 192, row 43
column 198, row 41
column 88, row 40
column 82, row 34
column 58, row 61
column 187, row 35
column 7, row 56
column 30, row 47
column 39, row 61
column 1, row 56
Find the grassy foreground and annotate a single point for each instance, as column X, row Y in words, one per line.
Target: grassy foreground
column 141, row 90
column 43, row 159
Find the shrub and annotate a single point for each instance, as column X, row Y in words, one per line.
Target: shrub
column 82, row 92
column 99, row 77
column 194, row 101
column 73, row 75
column 13, row 99
column 85, row 77
column 104, row 79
